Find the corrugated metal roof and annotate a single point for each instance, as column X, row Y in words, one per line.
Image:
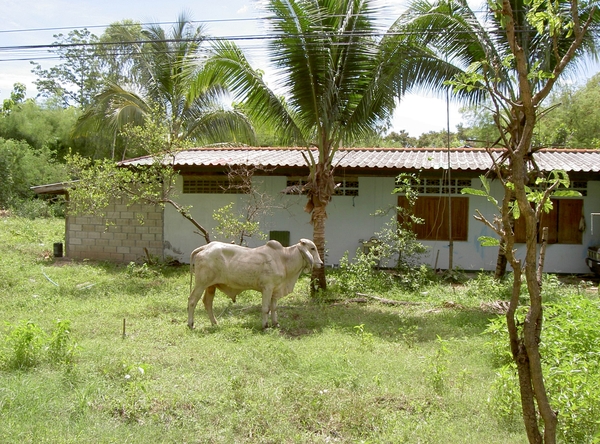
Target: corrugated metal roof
column 475, row 159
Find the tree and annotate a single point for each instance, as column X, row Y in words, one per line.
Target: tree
column 400, row 139
column 16, row 96
column 514, row 59
column 159, row 88
column 97, row 182
column 22, row 167
column 40, row 126
column 574, row 121
column 78, row 78
column 337, row 82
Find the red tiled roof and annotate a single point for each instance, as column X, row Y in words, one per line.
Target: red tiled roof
column 475, row 159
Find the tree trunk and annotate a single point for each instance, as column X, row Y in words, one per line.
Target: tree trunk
column 320, row 190
column 525, row 347
column 318, row 274
column 501, row 262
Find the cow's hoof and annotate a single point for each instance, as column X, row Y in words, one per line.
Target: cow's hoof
column 191, row 326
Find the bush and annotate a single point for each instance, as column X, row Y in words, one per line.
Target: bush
column 571, row 365
column 22, row 167
column 34, row 208
column 361, row 275
column 27, row 345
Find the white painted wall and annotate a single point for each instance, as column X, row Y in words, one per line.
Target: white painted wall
column 352, row 219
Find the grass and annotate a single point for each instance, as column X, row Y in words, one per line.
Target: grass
column 333, row 373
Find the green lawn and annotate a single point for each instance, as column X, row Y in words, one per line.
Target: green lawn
column 334, row 372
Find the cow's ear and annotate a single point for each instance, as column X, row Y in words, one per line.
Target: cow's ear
column 308, row 258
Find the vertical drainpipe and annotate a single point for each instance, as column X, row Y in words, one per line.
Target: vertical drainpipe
column 451, row 241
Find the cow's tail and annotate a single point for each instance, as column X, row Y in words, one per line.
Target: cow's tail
column 192, row 257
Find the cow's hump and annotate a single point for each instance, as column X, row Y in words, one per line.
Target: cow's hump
column 275, row 245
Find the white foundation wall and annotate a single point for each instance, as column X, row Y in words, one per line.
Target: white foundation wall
column 352, row 219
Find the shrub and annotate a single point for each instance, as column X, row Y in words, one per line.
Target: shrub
column 21, row 167
column 61, row 348
column 27, row 345
column 570, row 359
column 361, row 275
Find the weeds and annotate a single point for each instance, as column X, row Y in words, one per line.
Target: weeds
column 24, row 344
column 570, row 357
column 366, row 338
column 437, row 367
column 27, row 345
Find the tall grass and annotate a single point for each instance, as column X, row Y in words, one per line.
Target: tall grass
column 335, row 372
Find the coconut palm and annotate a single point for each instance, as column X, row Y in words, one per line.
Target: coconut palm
column 163, row 67
column 512, row 56
column 337, row 79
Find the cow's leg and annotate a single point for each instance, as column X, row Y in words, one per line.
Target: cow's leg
column 192, row 301
column 207, row 299
column 266, row 306
column 274, row 321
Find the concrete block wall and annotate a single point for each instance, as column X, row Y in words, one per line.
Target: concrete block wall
column 119, row 237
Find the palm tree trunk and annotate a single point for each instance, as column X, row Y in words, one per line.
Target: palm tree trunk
column 318, row 281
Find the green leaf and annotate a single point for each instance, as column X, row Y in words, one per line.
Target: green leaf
column 566, row 193
column 473, row 192
column 488, row 241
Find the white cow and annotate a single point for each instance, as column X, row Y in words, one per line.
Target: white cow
column 271, row 269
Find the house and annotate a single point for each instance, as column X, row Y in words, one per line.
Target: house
column 366, row 179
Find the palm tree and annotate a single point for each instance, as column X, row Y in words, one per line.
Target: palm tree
column 512, row 57
column 338, row 78
column 164, row 66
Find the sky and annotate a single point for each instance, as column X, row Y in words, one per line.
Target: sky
column 26, row 22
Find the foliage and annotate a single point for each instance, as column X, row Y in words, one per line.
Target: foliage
column 78, row 78
column 437, row 367
column 235, row 226
column 165, row 87
column 397, row 240
column 101, row 181
column 22, row 167
column 61, row 347
column 569, row 351
column 439, row 139
column 479, row 129
column 398, row 139
column 396, row 244
column 26, row 345
column 41, row 126
column 361, row 274
column 572, row 117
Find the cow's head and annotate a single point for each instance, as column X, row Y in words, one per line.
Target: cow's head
column 311, row 254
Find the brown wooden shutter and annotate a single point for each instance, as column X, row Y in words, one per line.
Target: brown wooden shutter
column 562, row 222
column 460, row 218
column 569, row 216
column 434, row 211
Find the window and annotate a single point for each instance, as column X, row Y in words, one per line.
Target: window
column 439, row 186
column 212, row 185
column 563, row 223
column 434, row 211
column 345, row 186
